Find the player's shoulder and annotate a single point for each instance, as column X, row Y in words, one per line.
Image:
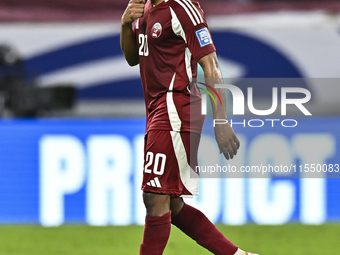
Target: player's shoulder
column 185, row 2
column 187, row 10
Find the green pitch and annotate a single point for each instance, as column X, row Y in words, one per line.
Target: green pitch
column 85, row 240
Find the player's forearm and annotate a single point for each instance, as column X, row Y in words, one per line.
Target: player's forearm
column 128, row 45
column 212, row 74
column 219, row 111
column 133, row 11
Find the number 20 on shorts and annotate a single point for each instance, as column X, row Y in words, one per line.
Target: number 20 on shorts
column 158, row 162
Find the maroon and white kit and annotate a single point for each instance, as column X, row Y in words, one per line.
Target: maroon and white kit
column 172, row 36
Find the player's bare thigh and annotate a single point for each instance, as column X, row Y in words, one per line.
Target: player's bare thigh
column 159, row 204
column 176, row 205
column 156, row 204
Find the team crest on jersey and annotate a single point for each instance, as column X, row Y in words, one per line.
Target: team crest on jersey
column 156, row 30
column 203, row 37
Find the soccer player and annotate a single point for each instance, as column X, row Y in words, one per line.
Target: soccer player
column 167, row 38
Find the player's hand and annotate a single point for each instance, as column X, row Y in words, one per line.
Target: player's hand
column 226, row 140
column 133, row 11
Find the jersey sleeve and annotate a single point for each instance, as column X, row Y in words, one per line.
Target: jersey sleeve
column 188, row 21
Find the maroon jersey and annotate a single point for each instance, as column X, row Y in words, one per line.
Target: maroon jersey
column 172, row 37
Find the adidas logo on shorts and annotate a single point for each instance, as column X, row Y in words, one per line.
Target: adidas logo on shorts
column 154, row 183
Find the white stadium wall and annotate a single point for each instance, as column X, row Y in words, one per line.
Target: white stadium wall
column 278, row 45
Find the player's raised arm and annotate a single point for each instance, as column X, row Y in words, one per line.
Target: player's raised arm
column 225, row 136
column 128, row 44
